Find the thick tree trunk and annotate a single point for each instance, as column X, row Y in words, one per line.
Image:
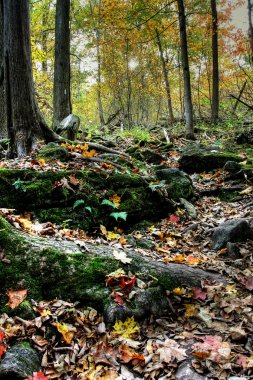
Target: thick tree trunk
column 62, row 98
column 61, row 269
column 215, row 56
column 166, row 77
column 250, row 29
column 186, row 71
column 3, row 119
column 24, row 122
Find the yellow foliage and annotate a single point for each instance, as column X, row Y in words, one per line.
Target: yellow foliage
column 127, row 329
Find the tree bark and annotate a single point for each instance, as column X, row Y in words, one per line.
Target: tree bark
column 62, row 97
column 186, row 71
column 3, row 118
column 215, row 57
column 24, row 121
column 250, row 29
column 77, row 271
column 165, row 76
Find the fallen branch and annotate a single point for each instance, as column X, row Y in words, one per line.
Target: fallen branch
column 95, row 159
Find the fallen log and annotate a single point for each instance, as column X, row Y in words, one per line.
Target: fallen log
column 52, row 269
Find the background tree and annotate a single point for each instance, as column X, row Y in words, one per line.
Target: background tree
column 3, row 119
column 215, row 60
column 62, row 99
column 24, row 121
column 186, row 71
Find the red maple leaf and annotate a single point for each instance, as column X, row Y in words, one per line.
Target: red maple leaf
column 38, row 376
column 127, row 285
column 118, row 298
column 174, row 219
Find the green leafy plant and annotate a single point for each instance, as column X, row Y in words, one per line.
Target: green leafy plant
column 81, row 202
column 19, row 185
column 119, row 215
column 154, row 186
column 108, row 203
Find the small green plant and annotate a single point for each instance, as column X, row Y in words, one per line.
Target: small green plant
column 108, row 203
column 154, row 186
column 19, row 185
column 119, row 215
column 81, row 202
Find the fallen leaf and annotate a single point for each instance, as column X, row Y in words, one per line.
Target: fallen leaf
column 16, row 297
column 121, row 256
column 127, row 329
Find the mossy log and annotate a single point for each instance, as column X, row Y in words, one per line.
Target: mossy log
column 62, row 269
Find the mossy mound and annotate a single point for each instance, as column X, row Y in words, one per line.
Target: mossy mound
column 53, row 151
column 52, row 196
column 197, row 158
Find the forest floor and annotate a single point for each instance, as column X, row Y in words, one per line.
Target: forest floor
column 209, row 327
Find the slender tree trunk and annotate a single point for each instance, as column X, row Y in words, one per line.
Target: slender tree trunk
column 129, row 88
column 165, row 76
column 24, row 121
column 250, row 29
column 3, row 119
column 62, row 99
column 239, row 97
column 44, row 38
column 215, row 56
column 100, row 105
column 186, row 71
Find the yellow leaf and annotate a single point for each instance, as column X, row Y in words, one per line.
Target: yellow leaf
column 103, row 229
column 112, row 236
column 178, row 291
column 191, row 310
column 126, row 329
column 115, row 199
column 42, row 162
column 67, row 335
column 89, row 154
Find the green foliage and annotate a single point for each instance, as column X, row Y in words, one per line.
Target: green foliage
column 119, row 215
column 77, row 203
column 108, row 203
column 154, row 186
column 19, row 185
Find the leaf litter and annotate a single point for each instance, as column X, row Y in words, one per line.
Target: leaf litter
column 209, row 327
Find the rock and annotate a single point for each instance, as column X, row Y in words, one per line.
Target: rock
column 53, row 151
column 19, row 362
column 233, row 251
column 197, row 158
column 233, row 230
column 232, row 166
column 144, row 302
column 189, row 207
column 186, row 372
column 238, row 378
column 179, row 184
column 148, row 155
column 69, row 126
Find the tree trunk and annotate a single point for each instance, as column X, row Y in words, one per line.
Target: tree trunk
column 100, row 105
column 215, row 56
column 62, row 99
column 250, row 30
column 24, row 121
column 3, row 118
column 62, row 269
column 186, row 71
column 165, row 76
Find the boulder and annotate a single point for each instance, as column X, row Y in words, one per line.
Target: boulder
column 69, row 126
column 148, row 155
column 233, row 230
column 19, row 362
column 179, row 184
column 197, row 158
column 232, row 166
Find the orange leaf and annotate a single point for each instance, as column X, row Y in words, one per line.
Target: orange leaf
column 192, row 260
column 16, row 297
column 2, row 349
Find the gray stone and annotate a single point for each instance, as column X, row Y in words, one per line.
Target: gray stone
column 186, row 372
column 69, row 126
column 233, row 230
column 238, row 378
column 19, row 362
column 148, row 155
column 197, row 158
column 232, row 166
column 189, row 208
column 179, row 184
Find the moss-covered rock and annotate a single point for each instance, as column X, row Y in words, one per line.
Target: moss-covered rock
column 148, row 155
column 197, row 158
column 53, row 150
